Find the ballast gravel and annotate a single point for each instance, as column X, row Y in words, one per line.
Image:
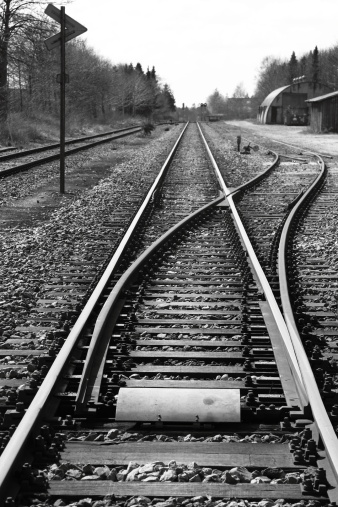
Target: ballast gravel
column 158, row 471
column 197, row 501
column 30, row 256
column 235, row 167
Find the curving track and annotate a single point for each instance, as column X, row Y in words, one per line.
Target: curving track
column 183, row 378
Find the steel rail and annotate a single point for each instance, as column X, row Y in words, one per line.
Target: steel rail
column 280, row 154
column 289, row 349
column 248, row 184
column 56, row 156
column 87, row 382
column 327, row 433
column 40, row 149
column 12, row 452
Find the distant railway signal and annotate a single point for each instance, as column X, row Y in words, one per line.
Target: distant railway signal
column 69, row 30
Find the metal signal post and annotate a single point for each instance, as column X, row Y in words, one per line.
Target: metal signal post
column 69, row 29
column 62, row 102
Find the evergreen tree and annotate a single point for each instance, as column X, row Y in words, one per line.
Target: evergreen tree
column 292, row 68
column 139, row 68
column 129, row 68
column 169, row 98
column 315, row 66
column 303, row 64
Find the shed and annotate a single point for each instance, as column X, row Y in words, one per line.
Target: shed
column 324, row 113
column 288, row 104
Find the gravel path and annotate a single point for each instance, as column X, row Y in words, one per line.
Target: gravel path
column 298, row 136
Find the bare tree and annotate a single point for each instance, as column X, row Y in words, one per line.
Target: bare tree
column 240, row 92
column 272, row 75
column 15, row 17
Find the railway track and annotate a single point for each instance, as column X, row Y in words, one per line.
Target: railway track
column 183, row 385
column 13, row 163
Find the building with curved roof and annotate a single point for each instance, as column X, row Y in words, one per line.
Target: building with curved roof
column 287, row 105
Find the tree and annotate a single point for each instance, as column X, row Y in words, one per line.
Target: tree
column 16, row 17
column 240, row 92
column 216, row 102
column 168, row 95
column 139, row 68
column 303, row 66
column 315, row 66
column 292, row 68
column 96, row 87
column 272, row 75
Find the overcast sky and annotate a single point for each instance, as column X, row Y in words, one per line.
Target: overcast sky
column 197, row 46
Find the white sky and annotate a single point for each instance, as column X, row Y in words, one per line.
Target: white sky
column 199, row 45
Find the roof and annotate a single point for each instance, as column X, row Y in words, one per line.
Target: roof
column 271, row 97
column 323, row 97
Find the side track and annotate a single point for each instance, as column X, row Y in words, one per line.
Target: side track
column 31, row 160
column 182, row 387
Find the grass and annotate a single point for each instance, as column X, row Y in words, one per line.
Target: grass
column 21, row 130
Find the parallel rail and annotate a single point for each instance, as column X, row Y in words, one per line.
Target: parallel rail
column 304, row 369
column 50, row 158
column 41, row 149
column 327, row 433
column 12, row 453
column 263, row 280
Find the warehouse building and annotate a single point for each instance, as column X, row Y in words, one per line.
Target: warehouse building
column 287, row 105
column 324, row 113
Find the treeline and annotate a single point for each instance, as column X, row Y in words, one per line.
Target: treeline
column 239, row 106
column 315, row 66
column 97, row 89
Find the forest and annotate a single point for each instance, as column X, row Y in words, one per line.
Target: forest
column 316, row 66
column 97, row 91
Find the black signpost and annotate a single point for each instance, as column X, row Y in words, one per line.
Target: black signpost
column 69, row 29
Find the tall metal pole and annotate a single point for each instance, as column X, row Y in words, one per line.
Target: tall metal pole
column 62, row 103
